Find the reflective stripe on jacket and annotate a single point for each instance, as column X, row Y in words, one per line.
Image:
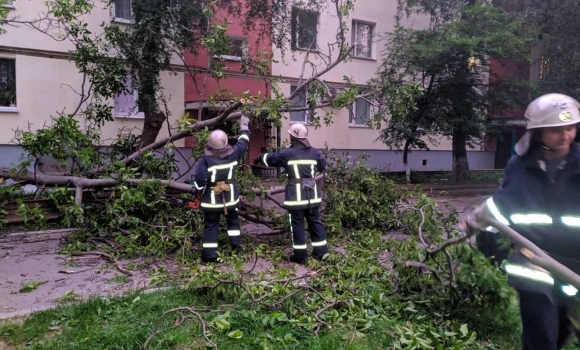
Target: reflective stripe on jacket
column 211, row 170
column 301, row 164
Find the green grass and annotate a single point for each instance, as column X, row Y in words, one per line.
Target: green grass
column 125, row 323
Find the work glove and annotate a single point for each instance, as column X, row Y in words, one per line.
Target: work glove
column 477, row 220
column 244, row 123
column 258, row 159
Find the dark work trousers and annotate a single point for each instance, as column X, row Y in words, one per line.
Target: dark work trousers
column 317, row 234
column 211, row 221
column 545, row 326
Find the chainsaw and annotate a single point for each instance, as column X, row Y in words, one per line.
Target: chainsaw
column 194, row 202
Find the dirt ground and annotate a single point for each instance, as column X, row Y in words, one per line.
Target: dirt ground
column 33, row 257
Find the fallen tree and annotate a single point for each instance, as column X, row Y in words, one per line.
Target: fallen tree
column 135, row 161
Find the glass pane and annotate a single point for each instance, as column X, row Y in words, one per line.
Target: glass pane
column 307, row 31
column 7, row 83
column 298, row 101
column 364, row 34
column 123, row 9
column 237, row 47
column 362, row 112
column 125, row 102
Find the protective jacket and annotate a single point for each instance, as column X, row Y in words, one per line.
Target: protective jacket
column 301, row 165
column 546, row 213
column 214, row 176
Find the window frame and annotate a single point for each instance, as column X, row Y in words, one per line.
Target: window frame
column 121, row 19
column 355, row 23
column 306, row 113
column 352, row 113
column 132, row 115
column 234, row 57
column 10, row 5
column 295, row 39
column 11, row 108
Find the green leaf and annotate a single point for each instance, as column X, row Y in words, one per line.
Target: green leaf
column 237, row 334
column 30, row 286
column 222, row 324
column 463, row 329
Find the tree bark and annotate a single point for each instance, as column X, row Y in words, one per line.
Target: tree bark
column 406, row 161
column 151, row 127
column 460, row 169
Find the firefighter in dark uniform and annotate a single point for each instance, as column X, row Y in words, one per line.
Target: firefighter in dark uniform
column 214, row 177
column 540, row 199
column 301, row 162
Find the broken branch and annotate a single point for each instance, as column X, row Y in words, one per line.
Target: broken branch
column 105, row 255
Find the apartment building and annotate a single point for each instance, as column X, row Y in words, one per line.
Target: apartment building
column 349, row 132
column 201, row 87
column 38, row 81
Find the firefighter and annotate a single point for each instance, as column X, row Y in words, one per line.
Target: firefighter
column 301, row 162
column 540, row 199
column 214, row 177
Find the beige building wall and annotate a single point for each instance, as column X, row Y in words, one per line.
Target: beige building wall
column 47, row 82
column 342, row 134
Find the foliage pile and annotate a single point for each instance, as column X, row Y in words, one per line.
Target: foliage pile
column 365, row 296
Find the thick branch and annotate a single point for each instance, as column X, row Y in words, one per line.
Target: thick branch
column 225, row 116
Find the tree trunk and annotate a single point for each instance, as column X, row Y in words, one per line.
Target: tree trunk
column 151, row 127
column 460, row 170
column 406, row 162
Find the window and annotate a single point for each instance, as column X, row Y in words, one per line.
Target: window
column 362, row 34
column 299, row 100
column 7, row 84
column 544, row 67
column 237, row 51
column 360, row 112
column 304, row 29
column 123, row 10
column 126, row 102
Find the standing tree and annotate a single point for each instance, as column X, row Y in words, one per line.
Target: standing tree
column 557, row 44
column 450, row 61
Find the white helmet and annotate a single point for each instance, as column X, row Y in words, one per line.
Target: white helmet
column 546, row 111
column 217, row 139
column 298, row 131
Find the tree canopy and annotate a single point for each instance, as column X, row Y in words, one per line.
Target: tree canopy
column 450, row 61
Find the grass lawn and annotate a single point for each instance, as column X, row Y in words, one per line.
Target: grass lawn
column 126, row 323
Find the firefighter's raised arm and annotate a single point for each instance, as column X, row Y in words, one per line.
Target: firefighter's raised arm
column 244, row 138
